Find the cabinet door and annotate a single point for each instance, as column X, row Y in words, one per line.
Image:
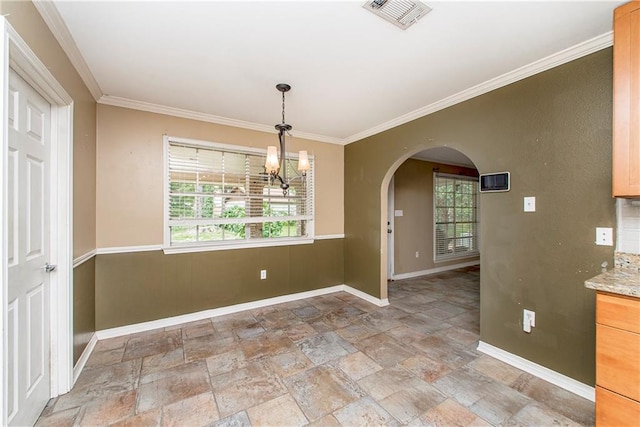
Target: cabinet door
column 613, row 410
column 617, row 361
column 626, row 91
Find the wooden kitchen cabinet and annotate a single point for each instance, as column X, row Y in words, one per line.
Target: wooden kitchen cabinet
column 626, row 100
column 617, row 360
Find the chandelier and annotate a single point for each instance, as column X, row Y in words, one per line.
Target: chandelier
column 276, row 165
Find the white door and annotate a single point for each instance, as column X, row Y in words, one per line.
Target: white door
column 28, row 321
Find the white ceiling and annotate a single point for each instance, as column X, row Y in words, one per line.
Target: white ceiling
column 353, row 74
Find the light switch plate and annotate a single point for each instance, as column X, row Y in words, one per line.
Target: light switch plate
column 530, row 204
column 604, row 236
column 398, row 212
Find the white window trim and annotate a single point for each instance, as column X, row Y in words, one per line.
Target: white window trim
column 462, row 255
column 230, row 244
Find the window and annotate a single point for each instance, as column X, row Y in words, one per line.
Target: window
column 455, row 216
column 220, row 195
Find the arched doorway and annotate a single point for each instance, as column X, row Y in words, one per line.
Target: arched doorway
column 421, row 239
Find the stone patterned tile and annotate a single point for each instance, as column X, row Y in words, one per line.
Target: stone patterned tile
column 233, row 321
column 307, row 312
column 412, row 304
column 109, row 410
column 464, row 385
column 498, row 403
column 249, row 331
column 341, row 317
column 66, row 418
column 408, row 404
column 281, row 411
column 300, row 331
column 496, row 369
column 562, row 401
column 356, row 331
column 174, row 371
column 162, row 361
column 243, row 388
column 290, row 363
column 458, row 336
column 324, row 360
column 151, row 418
column 240, row 419
column 111, row 344
column 364, row 412
column 104, row 358
column 152, row 342
column 358, row 365
column 327, row 303
column 226, row 362
column 405, row 334
column 385, row 350
column 326, row 421
column 325, row 347
column 425, row 368
column 266, row 344
column 424, row 324
column 389, row 381
column 174, row 388
column 197, row 410
column 198, row 329
column 99, row 382
column 278, row 320
column 536, row 414
column 322, row 390
column 452, row 414
column 441, row 349
column 208, row 345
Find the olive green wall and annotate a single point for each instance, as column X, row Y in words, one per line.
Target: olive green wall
column 84, row 309
column 552, row 131
column 25, row 19
column 413, row 231
column 143, row 286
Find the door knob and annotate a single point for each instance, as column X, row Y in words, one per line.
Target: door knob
column 48, row 268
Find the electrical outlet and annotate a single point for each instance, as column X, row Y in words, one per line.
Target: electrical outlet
column 604, row 236
column 263, row 274
column 530, row 204
column 528, row 320
column 417, row 254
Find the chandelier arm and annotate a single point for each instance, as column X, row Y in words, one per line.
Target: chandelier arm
column 283, row 165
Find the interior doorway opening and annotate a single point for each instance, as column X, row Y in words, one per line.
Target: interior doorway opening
column 430, row 215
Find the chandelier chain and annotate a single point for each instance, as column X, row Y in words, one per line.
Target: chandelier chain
column 282, row 107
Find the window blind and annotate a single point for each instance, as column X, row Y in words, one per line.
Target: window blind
column 222, row 194
column 456, row 225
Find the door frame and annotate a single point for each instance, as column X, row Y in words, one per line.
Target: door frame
column 17, row 55
column 391, row 226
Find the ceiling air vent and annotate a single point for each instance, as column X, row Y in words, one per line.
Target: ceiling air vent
column 402, row 13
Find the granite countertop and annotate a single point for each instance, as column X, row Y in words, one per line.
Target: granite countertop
column 617, row 281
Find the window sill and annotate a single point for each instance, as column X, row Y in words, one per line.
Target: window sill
column 169, row 250
column 456, row 257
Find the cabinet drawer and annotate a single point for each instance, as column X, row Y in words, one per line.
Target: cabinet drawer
column 615, row 410
column 618, row 311
column 618, row 361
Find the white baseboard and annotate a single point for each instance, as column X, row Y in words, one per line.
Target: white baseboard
column 362, row 295
column 569, row 384
column 84, row 357
column 434, row 270
column 205, row 314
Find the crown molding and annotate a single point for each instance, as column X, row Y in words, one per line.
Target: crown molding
column 56, row 24
column 117, row 101
column 582, row 49
column 61, row 32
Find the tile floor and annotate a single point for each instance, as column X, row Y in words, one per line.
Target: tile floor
column 333, row 360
